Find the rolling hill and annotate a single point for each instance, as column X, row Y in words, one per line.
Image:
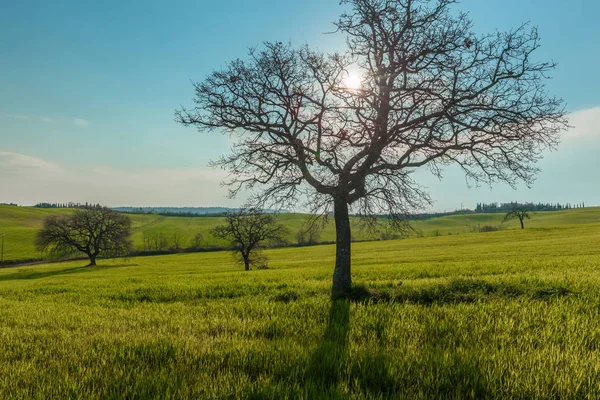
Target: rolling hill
column 20, row 225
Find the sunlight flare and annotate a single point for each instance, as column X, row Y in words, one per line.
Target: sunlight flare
column 353, row 81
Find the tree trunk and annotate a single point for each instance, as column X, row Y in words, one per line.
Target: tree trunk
column 522, row 225
column 246, row 258
column 342, row 279
column 92, row 260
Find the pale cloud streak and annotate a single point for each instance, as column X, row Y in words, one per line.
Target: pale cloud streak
column 17, row 116
column 28, row 180
column 568, row 174
column 13, row 162
column 586, row 124
column 80, row 122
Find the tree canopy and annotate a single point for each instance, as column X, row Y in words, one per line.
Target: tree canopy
column 247, row 230
column 90, row 230
column 520, row 212
column 432, row 93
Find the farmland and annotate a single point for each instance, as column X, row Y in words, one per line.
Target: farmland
column 21, row 224
column 509, row 314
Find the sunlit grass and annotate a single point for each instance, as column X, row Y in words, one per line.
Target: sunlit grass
column 510, row 314
column 22, row 223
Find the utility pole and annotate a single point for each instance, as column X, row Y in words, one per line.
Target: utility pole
column 2, row 257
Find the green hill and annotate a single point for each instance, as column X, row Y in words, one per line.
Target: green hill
column 21, row 224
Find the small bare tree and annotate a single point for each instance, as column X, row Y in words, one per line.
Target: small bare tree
column 147, row 241
column 247, row 230
column 155, row 241
column 520, row 212
column 428, row 92
column 309, row 232
column 177, row 241
column 90, row 230
column 197, row 241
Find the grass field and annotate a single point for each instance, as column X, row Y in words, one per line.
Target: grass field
column 22, row 223
column 511, row 314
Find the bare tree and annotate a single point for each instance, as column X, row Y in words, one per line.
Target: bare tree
column 247, row 230
column 155, row 241
column 177, row 241
column 519, row 211
column 432, row 93
column 161, row 243
column 310, row 231
column 90, row 230
column 197, row 241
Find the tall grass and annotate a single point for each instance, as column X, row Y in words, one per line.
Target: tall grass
column 512, row 314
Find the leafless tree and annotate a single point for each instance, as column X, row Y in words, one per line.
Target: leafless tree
column 155, row 241
column 432, row 94
column 247, row 230
column 310, row 231
column 177, row 241
column 147, row 239
column 197, row 241
column 91, row 230
column 519, row 211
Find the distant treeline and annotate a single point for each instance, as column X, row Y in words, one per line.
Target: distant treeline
column 506, row 207
column 9, row 204
column 219, row 211
column 175, row 211
column 495, row 208
column 66, row 205
column 182, row 211
column 424, row 216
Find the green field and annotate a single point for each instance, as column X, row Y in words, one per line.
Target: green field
column 511, row 314
column 21, row 224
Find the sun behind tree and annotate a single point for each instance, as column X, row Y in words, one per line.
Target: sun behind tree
column 353, row 81
column 432, row 94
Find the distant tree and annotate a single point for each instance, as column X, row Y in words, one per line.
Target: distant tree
column 427, row 92
column 247, row 230
column 197, row 241
column 161, row 242
column 155, row 242
column 177, row 241
column 147, row 240
column 89, row 230
column 520, row 212
column 309, row 232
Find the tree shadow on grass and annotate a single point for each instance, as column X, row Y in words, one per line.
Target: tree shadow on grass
column 462, row 290
column 326, row 365
column 333, row 374
column 437, row 371
column 36, row 274
column 330, row 364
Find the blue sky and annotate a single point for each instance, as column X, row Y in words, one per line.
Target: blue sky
column 88, row 90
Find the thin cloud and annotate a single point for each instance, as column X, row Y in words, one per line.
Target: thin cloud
column 585, row 124
column 28, row 180
column 20, row 162
column 80, row 122
column 17, row 116
column 29, row 117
